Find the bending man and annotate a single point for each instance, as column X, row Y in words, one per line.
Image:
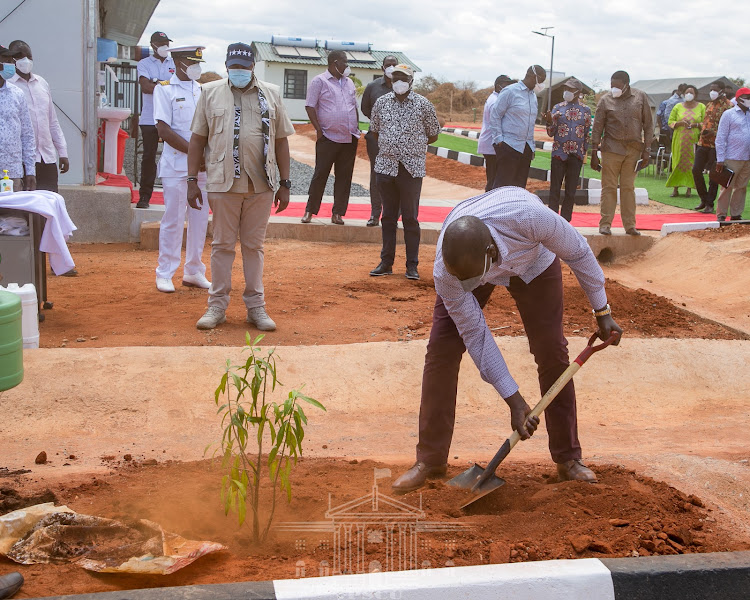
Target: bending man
column 506, row 237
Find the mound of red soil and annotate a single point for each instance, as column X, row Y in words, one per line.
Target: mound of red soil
column 530, row 518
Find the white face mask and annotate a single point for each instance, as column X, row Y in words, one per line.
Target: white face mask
column 689, row 97
column 389, row 72
column 745, row 102
column 568, row 96
column 25, row 65
column 193, row 72
column 401, row 87
column 539, row 87
column 469, row 284
column 616, row 92
column 163, row 51
column 713, row 94
column 346, row 72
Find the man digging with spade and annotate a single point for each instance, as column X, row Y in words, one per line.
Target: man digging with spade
column 504, row 237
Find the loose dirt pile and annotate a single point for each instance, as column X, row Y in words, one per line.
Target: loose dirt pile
column 318, row 293
column 530, row 518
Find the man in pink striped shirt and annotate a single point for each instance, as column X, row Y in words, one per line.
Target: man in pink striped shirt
column 332, row 107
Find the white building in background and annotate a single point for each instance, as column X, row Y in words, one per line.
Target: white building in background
column 63, row 37
column 291, row 63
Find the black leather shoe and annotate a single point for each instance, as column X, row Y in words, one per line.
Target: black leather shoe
column 373, row 222
column 412, row 273
column 736, row 218
column 709, row 210
column 701, row 206
column 307, row 217
column 382, row 269
column 142, row 203
column 416, row 477
column 336, row 219
column 10, row 584
column 605, row 231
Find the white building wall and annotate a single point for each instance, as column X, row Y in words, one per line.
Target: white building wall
column 57, row 31
column 273, row 72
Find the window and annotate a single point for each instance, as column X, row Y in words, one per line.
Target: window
column 295, row 83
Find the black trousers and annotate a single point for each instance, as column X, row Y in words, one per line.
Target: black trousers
column 512, row 166
column 46, row 176
column 400, row 193
column 490, row 166
column 341, row 157
column 705, row 158
column 570, row 171
column 148, row 161
column 372, row 152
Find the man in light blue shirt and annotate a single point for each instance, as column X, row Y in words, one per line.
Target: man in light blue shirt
column 512, row 119
column 733, row 151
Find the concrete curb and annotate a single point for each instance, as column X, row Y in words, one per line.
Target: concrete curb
column 713, row 576
column 668, row 228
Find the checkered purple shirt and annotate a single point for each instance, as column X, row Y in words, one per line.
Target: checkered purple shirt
column 529, row 236
column 335, row 101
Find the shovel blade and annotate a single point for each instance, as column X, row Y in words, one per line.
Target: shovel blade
column 468, row 479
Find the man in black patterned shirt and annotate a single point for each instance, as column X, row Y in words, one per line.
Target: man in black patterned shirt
column 404, row 123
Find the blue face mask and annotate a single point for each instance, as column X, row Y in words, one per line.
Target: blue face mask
column 8, row 71
column 240, row 78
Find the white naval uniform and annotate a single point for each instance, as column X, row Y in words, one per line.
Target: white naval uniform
column 174, row 104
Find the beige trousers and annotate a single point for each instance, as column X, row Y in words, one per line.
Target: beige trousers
column 244, row 216
column 619, row 169
column 733, row 197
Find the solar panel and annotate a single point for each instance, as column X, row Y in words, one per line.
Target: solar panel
column 308, row 53
column 360, row 56
column 286, row 51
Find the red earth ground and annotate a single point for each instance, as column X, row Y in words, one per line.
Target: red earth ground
column 530, row 518
column 318, row 293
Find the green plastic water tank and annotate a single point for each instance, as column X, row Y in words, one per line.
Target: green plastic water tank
column 11, row 341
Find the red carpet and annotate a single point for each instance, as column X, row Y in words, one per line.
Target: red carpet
column 434, row 214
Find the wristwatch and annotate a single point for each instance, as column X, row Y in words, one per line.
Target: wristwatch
column 287, row 183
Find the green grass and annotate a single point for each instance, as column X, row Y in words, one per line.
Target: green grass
column 458, row 143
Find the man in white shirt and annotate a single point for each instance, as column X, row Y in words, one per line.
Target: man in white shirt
column 508, row 238
column 151, row 70
column 50, row 141
column 174, row 107
column 484, row 145
column 17, row 144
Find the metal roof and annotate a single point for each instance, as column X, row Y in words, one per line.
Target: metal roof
column 124, row 22
column 659, row 90
column 264, row 52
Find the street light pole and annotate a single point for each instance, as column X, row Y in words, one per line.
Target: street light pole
column 551, row 61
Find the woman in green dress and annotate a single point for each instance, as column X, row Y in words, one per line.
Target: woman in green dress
column 686, row 119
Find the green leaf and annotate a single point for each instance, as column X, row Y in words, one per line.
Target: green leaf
column 237, row 380
column 241, row 487
column 301, row 413
column 241, row 511
column 311, row 401
column 272, row 455
column 258, row 339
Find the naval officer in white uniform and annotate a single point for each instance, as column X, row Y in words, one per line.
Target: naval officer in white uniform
column 174, row 105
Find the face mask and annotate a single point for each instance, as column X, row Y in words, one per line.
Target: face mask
column 568, row 96
column 401, row 87
column 713, row 94
column 389, row 72
column 240, row 78
column 616, row 92
column 193, row 72
column 689, row 97
column 24, row 65
column 539, row 87
column 162, row 51
column 8, row 70
column 346, row 72
column 745, row 102
column 469, row 284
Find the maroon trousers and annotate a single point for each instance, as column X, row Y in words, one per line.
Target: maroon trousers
column 540, row 304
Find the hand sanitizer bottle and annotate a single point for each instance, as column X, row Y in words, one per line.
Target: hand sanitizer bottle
column 6, row 184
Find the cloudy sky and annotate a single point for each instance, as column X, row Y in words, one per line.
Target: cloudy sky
column 478, row 40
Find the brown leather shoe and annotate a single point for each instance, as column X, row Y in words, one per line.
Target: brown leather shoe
column 307, row 217
column 632, row 231
column 416, row 477
column 336, row 219
column 575, row 470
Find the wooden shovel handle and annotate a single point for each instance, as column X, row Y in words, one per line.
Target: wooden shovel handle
column 546, row 400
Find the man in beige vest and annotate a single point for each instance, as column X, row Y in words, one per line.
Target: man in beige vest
column 240, row 129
